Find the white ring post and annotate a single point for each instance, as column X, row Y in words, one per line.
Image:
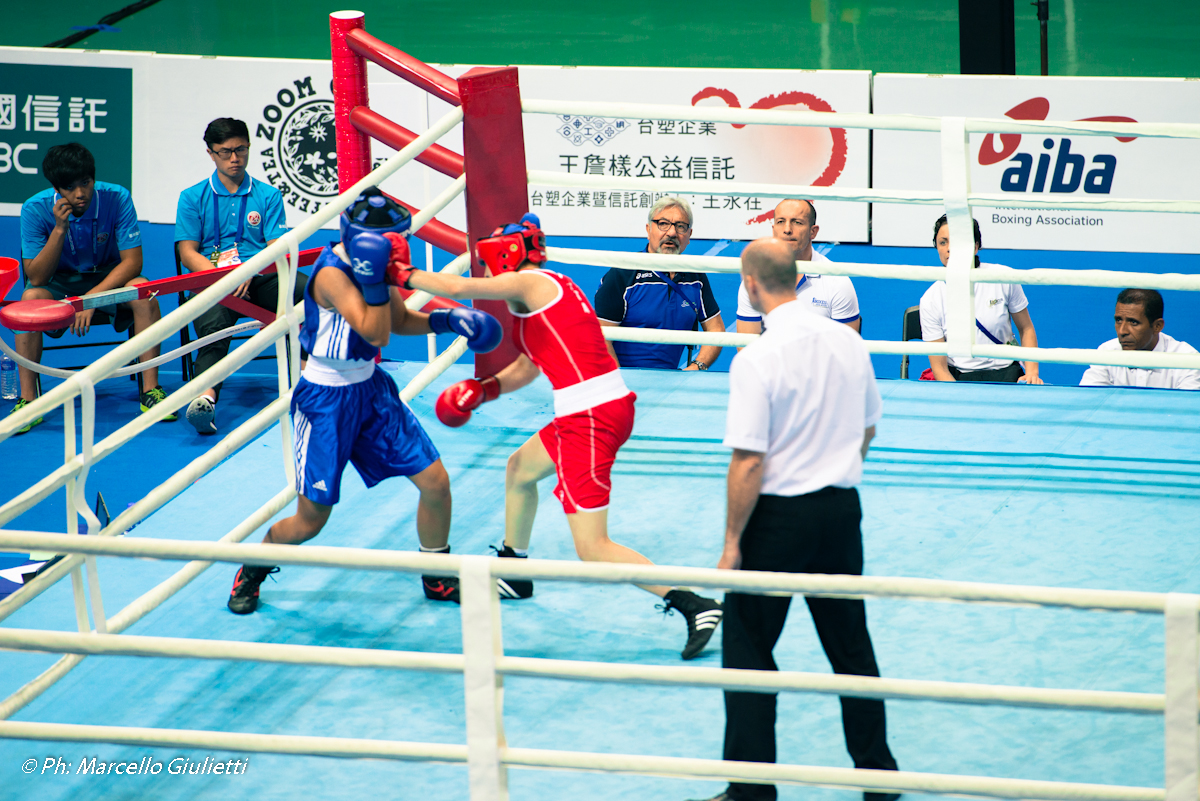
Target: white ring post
column 1182, row 746
column 956, row 185
column 484, row 687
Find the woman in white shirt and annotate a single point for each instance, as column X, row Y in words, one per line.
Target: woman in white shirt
column 997, row 307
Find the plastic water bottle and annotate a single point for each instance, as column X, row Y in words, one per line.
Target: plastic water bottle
column 10, row 386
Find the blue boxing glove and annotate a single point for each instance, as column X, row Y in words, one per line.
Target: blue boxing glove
column 369, row 255
column 482, row 330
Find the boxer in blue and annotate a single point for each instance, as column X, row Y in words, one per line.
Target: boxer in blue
column 345, row 409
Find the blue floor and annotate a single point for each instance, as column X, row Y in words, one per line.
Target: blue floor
column 1055, row 486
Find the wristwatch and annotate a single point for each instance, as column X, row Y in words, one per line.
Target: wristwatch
column 699, row 364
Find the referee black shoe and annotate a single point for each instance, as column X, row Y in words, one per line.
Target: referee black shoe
column 702, row 616
column 512, row 588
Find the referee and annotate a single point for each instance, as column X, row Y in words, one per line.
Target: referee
column 802, row 411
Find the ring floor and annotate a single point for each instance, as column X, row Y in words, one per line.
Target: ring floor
column 1054, row 486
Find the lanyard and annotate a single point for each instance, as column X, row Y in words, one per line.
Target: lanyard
column 241, row 224
column 986, row 332
column 695, row 309
column 71, row 236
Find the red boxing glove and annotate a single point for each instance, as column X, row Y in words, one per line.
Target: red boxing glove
column 400, row 250
column 400, row 262
column 455, row 404
column 398, row 274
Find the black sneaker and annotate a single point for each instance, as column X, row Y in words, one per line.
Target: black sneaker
column 441, row 588
column 156, row 395
column 243, row 598
column 702, row 616
column 512, row 588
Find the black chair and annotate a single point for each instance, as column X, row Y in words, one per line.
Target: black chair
column 910, row 328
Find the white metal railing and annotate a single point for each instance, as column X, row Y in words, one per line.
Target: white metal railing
column 484, row 665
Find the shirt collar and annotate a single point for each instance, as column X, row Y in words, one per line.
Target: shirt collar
column 214, row 183
column 781, row 312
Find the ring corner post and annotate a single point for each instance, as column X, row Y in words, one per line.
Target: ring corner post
column 497, row 188
column 349, row 91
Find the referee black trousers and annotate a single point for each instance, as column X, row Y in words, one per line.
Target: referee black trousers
column 815, row 533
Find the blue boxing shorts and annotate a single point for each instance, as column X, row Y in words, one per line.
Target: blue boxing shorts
column 364, row 423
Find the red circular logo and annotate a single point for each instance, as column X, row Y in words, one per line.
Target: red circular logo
column 253, row 218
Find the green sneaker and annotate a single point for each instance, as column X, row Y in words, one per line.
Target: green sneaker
column 156, row 395
column 21, row 404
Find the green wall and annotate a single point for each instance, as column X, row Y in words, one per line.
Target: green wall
column 1154, row 38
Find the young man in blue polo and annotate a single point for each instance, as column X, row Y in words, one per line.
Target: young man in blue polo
column 78, row 238
column 222, row 221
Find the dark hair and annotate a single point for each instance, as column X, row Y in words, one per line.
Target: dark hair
column 223, row 129
column 1149, row 299
column 66, row 164
column 812, row 210
column 937, row 227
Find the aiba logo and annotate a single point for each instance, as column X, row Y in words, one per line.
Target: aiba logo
column 253, row 219
column 302, row 159
column 1070, row 170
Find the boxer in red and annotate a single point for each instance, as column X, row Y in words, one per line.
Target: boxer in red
column 557, row 333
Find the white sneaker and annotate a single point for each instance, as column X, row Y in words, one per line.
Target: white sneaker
column 200, row 413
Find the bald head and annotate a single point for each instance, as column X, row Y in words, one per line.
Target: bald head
column 771, row 264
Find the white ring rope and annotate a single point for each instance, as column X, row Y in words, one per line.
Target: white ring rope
column 473, row 602
column 196, row 344
column 1039, row 276
column 841, row 119
column 678, row 186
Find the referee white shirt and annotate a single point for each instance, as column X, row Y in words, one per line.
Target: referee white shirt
column 803, row 393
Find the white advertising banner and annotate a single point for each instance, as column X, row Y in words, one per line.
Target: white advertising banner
column 714, row 153
column 288, row 107
column 1043, row 166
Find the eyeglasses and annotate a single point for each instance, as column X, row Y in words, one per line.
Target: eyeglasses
column 667, row 225
column 224, row 153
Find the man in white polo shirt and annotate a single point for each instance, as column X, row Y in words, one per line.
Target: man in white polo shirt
column 802, row 411
column 830, row 296
column 1139, row 322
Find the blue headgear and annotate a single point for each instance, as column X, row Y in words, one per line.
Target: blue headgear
column 376, row 213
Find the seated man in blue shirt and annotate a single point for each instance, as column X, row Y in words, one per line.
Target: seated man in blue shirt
column 78, row 238
column 222, row 221
column 667, row 300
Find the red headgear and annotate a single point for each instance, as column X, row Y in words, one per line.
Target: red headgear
column 512, row 245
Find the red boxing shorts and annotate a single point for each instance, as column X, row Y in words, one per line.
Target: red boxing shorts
column 583, row 447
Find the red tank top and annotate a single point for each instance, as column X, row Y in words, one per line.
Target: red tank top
column 563, row 338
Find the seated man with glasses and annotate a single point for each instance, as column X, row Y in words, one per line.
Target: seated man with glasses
column 220, row 222
column 659, row 299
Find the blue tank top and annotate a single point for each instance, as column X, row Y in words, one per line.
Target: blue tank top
column 326, row 335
